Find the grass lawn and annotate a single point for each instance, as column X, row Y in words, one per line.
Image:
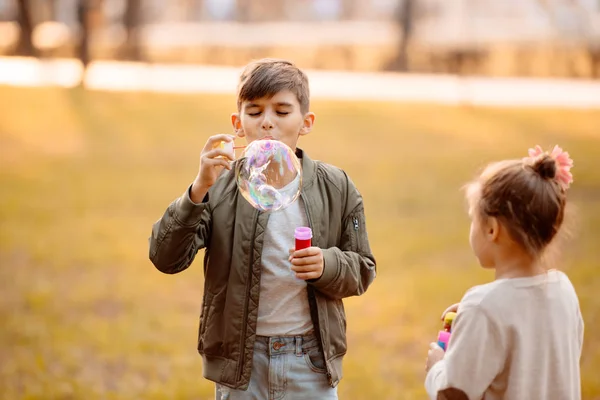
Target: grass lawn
column 83, row 175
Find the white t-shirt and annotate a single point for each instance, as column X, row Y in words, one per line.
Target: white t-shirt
column 517, row 339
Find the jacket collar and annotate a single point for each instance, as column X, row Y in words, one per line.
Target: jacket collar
column 308, row 167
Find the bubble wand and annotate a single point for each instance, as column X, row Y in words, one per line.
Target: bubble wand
column 229, row 147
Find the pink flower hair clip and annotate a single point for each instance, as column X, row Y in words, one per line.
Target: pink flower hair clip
column 563, row 163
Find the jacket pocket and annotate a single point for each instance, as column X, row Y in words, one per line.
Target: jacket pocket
column 336, row 329
column 355, row 227
column 204, row 315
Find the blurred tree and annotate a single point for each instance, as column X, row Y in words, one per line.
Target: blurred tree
column 584, row 18
column 51, row 10
column 405, row 18
column 592, row 42
column 25, row 45
column 131, row 49
column 593, row 53
column 83, row 51
column 88, row 16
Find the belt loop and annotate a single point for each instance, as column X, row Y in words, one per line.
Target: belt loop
column 298, row 346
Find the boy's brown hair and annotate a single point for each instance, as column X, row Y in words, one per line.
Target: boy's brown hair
column 269, row 76
column 525, row 196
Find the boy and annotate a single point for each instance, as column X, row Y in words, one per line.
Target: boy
column 264, row 333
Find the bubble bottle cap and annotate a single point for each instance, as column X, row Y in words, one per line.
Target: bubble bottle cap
column 303, row 233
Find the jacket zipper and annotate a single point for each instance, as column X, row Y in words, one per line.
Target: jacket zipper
column 355, row 235
column 312, row 294
column 243, row 336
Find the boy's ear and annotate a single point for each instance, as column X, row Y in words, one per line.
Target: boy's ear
column 236, row 122
column 307, row 124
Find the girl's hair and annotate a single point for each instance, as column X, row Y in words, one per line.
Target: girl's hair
column 527, row 196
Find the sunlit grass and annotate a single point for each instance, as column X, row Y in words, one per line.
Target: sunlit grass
column 84, row 175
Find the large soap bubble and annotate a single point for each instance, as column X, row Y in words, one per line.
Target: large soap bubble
column 269, row 175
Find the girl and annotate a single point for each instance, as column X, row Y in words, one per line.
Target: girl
column 519, row 337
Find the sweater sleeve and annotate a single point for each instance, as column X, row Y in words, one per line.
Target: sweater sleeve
column 476, row 355
column 580, row 331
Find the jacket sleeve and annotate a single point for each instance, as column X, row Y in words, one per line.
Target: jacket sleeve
column 349, row 268
column 179, row 234
column 475, row 356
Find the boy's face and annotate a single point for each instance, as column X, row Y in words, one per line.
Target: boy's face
column 278, row 117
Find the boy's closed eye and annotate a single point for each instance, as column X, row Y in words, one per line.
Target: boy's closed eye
column 257, row 113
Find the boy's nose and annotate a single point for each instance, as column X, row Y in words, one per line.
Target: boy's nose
column 267, row 124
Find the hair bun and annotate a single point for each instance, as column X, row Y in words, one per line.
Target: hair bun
column 545, row 166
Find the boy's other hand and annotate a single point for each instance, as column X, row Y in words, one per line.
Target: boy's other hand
column 212, row 161
column 307, row 263
column 452, row 308
column 434, row 355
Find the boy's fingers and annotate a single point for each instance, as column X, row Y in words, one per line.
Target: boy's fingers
column 213, row 140
column 214, row 153
column 300, row 253
column 309, row 251
column 214, row 162
column 307, row 275
column 304, row 268
column 305, row 260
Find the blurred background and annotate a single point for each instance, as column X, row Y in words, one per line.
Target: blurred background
column 486, row 37
column 106, row 104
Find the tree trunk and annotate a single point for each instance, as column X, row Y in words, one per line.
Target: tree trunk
column 406, row 21
column 83, row 50
column 242, row 11
column 131, row 20
column 594, row 58
column 25, row 45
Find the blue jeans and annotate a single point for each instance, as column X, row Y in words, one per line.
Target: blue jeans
column 284, row 368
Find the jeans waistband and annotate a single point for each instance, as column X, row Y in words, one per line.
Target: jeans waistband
column 298, row 344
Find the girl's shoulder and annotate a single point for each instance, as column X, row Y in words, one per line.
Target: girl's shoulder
column 480, row 293
column 506, row 293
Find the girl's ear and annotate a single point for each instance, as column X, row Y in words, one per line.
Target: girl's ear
column 492, row 228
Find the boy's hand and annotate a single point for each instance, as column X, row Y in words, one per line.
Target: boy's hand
column 212, row 161
column 434, row 355
column 307, row 263
column 452, row 308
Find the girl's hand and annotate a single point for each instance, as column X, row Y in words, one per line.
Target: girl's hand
column 452, row 308
column 434, row 355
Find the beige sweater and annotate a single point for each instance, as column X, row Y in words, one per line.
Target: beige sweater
column 517, row 339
